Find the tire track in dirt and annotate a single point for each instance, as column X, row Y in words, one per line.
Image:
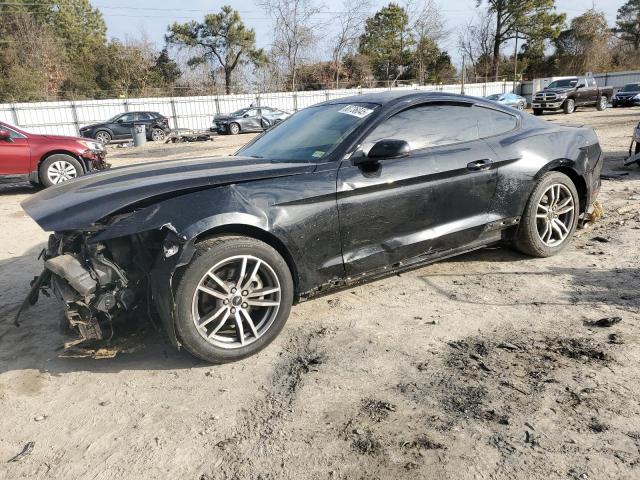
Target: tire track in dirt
column 261, row 427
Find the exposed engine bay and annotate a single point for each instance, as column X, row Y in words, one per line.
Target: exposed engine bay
column 99, row 283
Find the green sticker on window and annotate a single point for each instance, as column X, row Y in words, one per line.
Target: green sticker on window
column 318, row 154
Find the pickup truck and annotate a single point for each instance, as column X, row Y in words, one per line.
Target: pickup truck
column 568, row 93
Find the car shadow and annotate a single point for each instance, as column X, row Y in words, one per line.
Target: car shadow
column 588, row 286
column 16, row 184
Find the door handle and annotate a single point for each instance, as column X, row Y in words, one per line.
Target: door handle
column 483, row 164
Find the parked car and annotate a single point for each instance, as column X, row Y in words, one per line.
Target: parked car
column 627, row 96
column 569, row 93
column 47, row 159
column 510, row 99
column 252, row 119
column 344, row 191
column 634, row 148
column 120, row 126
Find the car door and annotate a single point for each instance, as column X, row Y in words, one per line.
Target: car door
column 434, row 200
column 122, row 126
column 251, row 121
column 15, row 153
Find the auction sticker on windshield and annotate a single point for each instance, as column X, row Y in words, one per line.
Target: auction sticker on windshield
column 356, row 111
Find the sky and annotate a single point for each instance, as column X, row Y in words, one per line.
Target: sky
column 152, row 16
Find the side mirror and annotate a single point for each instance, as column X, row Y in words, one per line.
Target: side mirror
column 5, row 135
column 246, row 115
column 384, row 150
column 580, row 85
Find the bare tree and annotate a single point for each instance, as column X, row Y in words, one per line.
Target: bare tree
column 475, row 42
column 350, row 24
column 428, row 29
column 297, row 28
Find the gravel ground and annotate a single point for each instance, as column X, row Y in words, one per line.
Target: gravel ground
column 488, row 365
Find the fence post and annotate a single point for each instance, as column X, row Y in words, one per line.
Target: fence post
column 326, row 95
column 74, row 115
column 295, row 102
column 126, row 104
column 258, row 100
column 217, row 104
column 174, row 114
column 14, row 114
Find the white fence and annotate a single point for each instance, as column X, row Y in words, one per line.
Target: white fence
column 66, row 118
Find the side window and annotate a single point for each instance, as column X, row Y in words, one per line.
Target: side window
column 143, row 116
column 427, row 126
column 252, row 113
column 128, row 117
column 591, row 82
column 12, row 133
column 492, row 122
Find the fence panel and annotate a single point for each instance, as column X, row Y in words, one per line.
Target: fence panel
column 65, row 118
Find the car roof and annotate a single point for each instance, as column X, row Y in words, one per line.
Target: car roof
column 391, row 97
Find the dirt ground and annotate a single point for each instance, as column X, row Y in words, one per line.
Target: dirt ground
column 486, row 366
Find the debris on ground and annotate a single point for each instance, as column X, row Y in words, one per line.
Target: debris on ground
column 26, row 450
column 377, row 410
column 605, row 322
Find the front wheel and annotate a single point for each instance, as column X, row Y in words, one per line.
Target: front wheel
column 569, row 106
column 59, row 168
column 550, row 217
column 233, row 299
column 603, row 103
column 234, row 129
column 103, row 137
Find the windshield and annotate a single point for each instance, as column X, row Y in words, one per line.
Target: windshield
column 632, row 87
column 566, row 83
column 239, row 113
column 311, row 134
column 495, row 96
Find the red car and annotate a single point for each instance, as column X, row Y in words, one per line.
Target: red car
column 47, row 159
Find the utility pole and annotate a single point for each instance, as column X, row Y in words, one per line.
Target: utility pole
column 464, row 74
column 515, row 64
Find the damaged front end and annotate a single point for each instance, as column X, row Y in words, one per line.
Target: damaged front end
column 99, row 283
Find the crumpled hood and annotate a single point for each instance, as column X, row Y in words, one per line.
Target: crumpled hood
column 79, row 203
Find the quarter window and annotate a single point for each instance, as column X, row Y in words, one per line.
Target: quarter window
column 493, row 122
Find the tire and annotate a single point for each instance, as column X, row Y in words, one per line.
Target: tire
column 603, row 103
column 158, row 135
column 537, row 112
column 217, row 339
column 234, row 128
column 59, row 168
column 103, row 137
column 521, row 106
column 569, row 106
column 529, row 239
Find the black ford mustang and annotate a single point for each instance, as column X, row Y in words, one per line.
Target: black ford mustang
column 351, row 189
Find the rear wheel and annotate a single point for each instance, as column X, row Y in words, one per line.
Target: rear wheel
column 537, row 112
column 59, row 168
column 569, row 106
column 158, row 135
column 550, row 217
column 603, row 103
column 233, row 299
